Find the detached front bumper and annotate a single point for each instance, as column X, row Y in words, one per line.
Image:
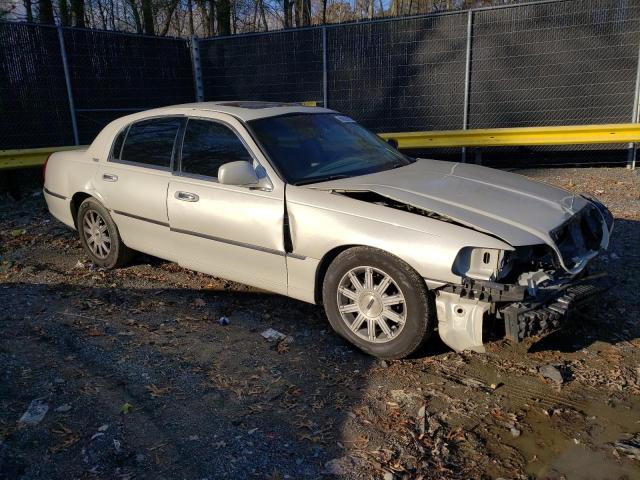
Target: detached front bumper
column 462, row 309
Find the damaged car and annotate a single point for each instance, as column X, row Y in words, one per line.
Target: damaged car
column 305, row 202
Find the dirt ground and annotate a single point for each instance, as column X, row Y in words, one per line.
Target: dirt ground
column 140, row 379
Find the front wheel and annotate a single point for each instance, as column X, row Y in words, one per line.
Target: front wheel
column 377, row 302
column 100, row 237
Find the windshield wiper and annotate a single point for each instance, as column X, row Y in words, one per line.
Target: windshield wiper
column 321, row 179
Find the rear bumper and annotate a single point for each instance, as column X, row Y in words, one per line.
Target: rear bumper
column 549, row 309
column 59, row 206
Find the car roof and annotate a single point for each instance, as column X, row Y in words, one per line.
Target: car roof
column 243, row 110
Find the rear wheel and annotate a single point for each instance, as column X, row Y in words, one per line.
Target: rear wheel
column 377, row 302
column 100, row 237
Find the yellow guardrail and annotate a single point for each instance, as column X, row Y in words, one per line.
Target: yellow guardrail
column 490, row 137
column 31, row 157
column 524, row 136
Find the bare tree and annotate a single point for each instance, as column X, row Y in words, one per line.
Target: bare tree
column 223, row 16
column 190, row 13
column 287, row 13
column 136, row 15
column 63, row 12
column 171, row 7
column 29, row 10
column 45, row 12
column 77, row 13
column 147, row 17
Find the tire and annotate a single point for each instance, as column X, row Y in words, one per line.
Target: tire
column 106, row 248
column 408, row 314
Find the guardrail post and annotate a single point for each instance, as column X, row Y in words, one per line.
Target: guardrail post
column 467, row 79
column 324, row 68
column 631, row 157
column 197, row 70
column 67, row 80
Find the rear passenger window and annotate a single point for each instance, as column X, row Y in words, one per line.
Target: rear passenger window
column 150, row 142
column 207, row 145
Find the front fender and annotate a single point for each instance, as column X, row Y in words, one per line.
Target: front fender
column 321, row 221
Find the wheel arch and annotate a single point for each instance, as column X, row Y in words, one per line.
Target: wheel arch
column 323, row 266
column 325, row 261
column 76, row 201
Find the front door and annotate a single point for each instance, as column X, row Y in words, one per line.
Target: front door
column 224, row 230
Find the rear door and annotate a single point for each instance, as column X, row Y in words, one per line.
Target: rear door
column 225, row 230
column 134, row 182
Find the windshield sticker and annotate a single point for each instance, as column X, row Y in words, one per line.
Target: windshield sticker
column 345, row 119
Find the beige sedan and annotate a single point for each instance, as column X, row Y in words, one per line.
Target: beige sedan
column 307, row 203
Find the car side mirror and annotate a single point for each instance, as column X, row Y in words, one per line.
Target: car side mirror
column 240, row 173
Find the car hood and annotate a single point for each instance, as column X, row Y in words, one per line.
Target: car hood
column 511, row 207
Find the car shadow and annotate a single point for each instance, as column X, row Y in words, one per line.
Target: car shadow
column 207, row 399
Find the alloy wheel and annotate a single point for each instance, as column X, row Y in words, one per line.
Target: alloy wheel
column 371, row 304
column 96, row 233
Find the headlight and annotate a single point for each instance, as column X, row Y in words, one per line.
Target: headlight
column 478, row 263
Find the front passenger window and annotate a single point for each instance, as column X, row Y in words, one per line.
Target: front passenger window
column 207, row 145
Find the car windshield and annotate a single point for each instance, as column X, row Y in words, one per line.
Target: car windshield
column 309, row 148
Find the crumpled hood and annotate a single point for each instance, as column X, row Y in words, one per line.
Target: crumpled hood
column 512, row 207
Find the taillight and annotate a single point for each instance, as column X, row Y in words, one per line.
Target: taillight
column 44, row 168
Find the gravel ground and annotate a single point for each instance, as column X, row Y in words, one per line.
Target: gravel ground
column 140, row 380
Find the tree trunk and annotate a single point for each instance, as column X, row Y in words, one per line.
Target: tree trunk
column 65, row 19
column 136, row 15
column 306, row 13
column 263, row 15
column 147, row 17
column 223, row 15
column 213, row 8
column 45, row 12
column 324, row 12
column 167, row 21
column 286, row 4
column 297, row 12
column 371, row 9
column 202, row 7
column 190, row 7
column 77, row 12
column 27, row 7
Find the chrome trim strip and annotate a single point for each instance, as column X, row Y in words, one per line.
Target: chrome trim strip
column 230, row 242
column 57, row 195
column 238, row 244
column 215, row 239
column 137, row 217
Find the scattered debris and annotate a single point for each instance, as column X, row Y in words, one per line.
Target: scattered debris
column 552, row 373
column 224, row 321
column 35, row 413
column 273, row 335
column 515, row 432
column 126, row 408
column 629, row 447
column 64, row 408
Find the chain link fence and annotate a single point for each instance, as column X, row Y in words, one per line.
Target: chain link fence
column 558, row 62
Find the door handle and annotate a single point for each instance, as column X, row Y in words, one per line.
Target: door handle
column 187, row 197
column 109, row 177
